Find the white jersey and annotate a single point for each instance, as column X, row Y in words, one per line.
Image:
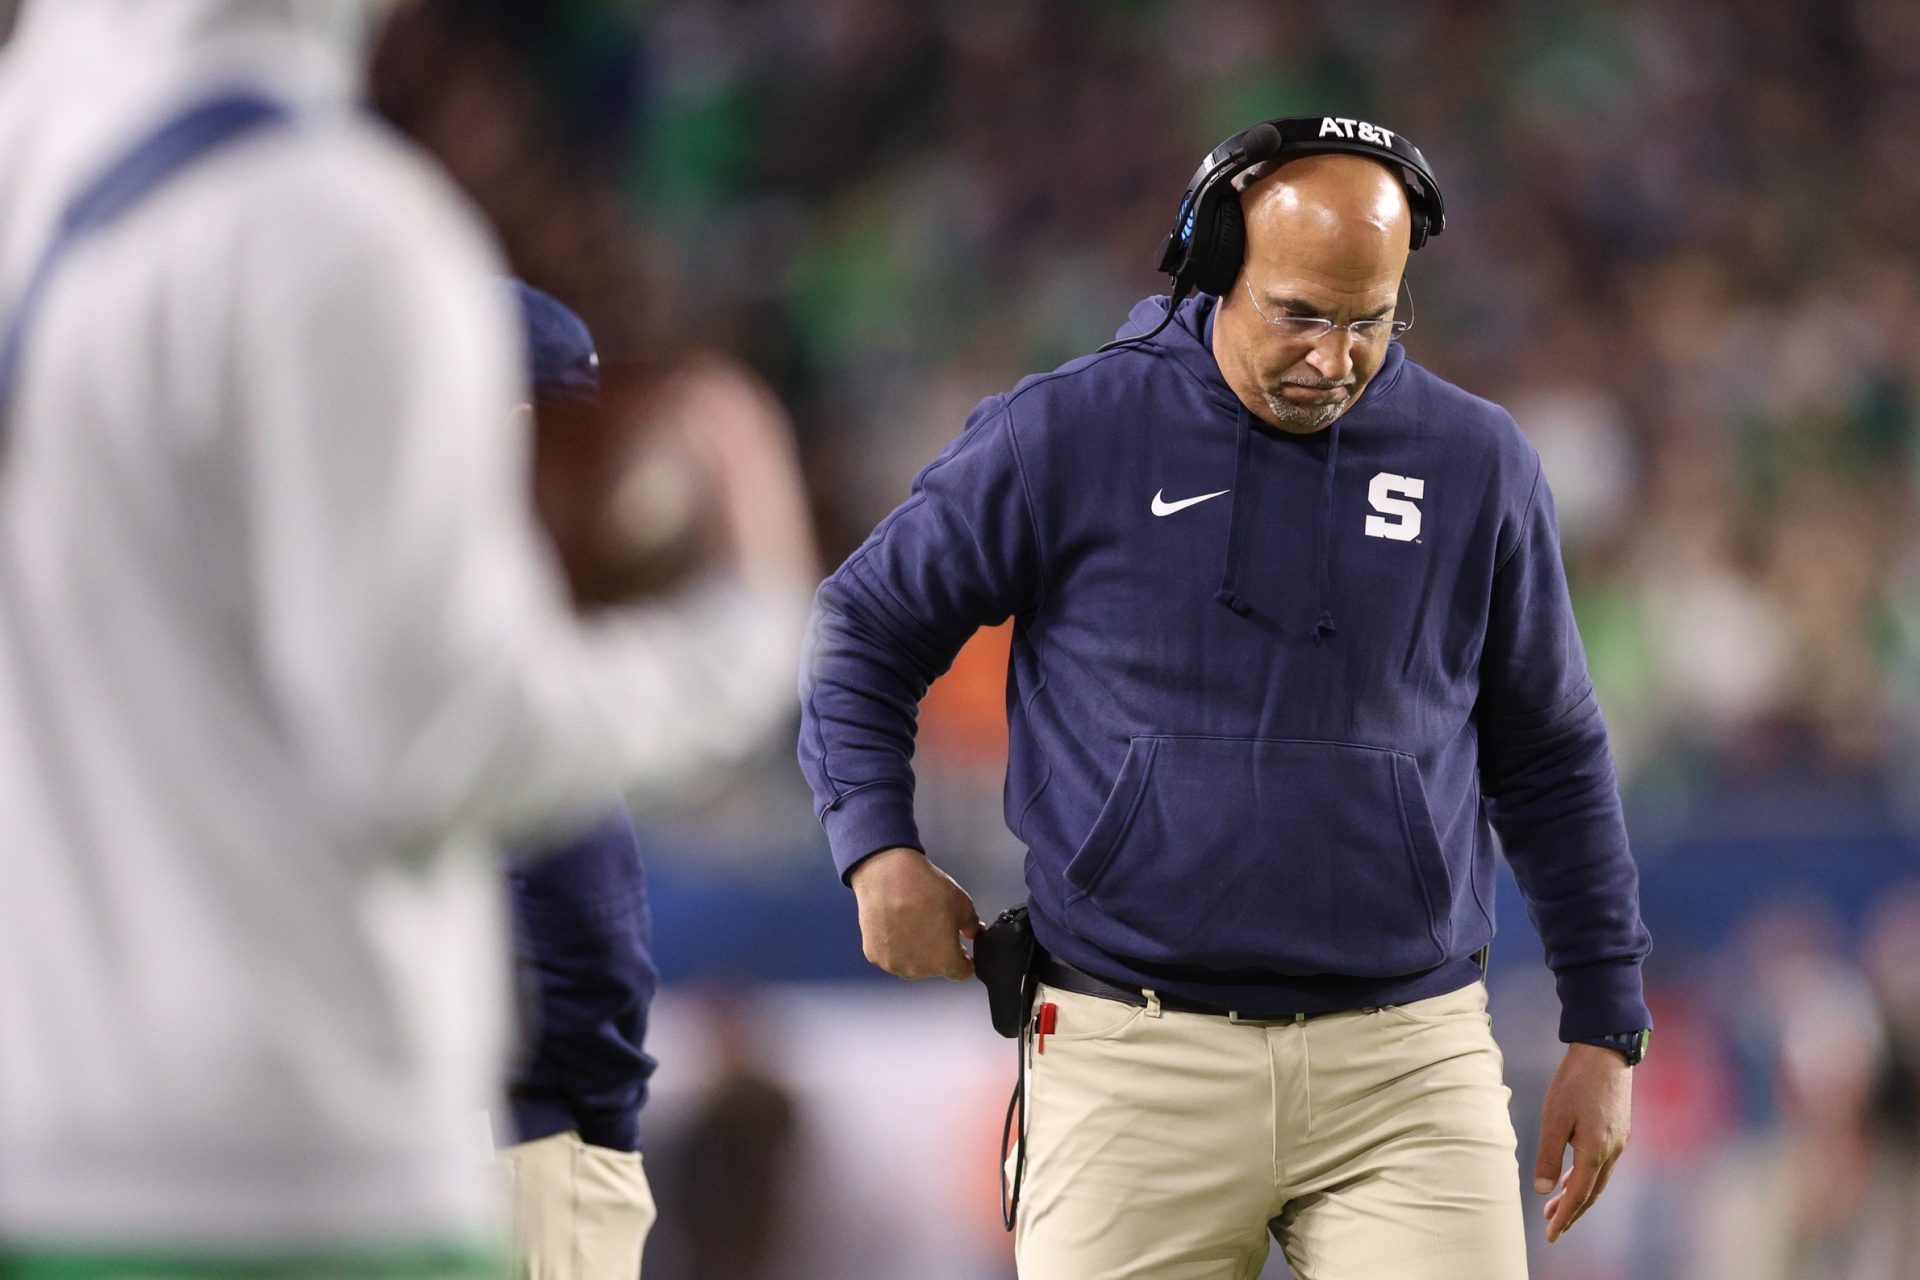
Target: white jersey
column 283, row 662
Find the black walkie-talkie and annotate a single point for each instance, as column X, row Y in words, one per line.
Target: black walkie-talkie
column 1003, row 958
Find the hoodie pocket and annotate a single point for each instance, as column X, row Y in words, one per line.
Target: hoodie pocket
column 1271, row 855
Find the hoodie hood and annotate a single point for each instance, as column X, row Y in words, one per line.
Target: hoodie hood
column 1187, row 341
column 1184, row 340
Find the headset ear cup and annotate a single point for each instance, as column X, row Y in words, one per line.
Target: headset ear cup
column 1217, row 259
column 1420, row 229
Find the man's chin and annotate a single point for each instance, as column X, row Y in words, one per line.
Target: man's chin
column 1302, row 417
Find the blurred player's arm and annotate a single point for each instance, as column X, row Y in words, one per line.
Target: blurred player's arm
column 961, row 553
column 419, row 645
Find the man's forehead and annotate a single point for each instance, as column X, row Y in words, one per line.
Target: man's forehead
column 1309, row 267
column 1339, row 190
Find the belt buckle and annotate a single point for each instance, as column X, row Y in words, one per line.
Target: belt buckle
column 1243, row 1020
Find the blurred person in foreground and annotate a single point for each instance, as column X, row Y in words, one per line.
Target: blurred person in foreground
column 283, row 662
column 1291, row 626
column 732, row 1171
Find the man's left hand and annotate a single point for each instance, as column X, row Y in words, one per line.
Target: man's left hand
column 1589, row 1105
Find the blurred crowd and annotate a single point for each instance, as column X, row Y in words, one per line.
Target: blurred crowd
column 1682, row 249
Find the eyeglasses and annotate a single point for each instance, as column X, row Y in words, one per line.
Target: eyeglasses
column 1310, row 329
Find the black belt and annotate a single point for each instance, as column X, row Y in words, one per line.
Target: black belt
column 1058, row 973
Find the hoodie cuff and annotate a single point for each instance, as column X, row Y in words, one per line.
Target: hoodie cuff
column 1601, row 1000
column 865, row 821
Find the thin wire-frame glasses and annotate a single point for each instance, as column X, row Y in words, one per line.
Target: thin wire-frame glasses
column 1310, row 329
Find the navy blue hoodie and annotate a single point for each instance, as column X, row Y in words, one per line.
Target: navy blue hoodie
column 584, row 938
column 1255, row 740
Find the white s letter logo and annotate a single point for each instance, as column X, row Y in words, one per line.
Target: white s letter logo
column 1388, row 495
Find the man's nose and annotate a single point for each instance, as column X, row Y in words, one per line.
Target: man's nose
column 1332, row 356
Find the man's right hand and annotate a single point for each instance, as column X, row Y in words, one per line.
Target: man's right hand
column 913, row 915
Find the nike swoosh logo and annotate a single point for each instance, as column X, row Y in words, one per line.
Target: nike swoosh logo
column 1161, row 507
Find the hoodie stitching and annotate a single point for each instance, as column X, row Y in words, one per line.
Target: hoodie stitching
column 844, row 796
column 1215, row 388
column 919, row 495
column 812, row 687
column 1526, row 513
column 1028, row 384
column 1506, row 724
column 1474, row 860
column 1026, row 703
column 1033, row 520
column 813, row 683
column 1218, row 392
column 1304, row 742
column 1120, row 833
column 1414, row 861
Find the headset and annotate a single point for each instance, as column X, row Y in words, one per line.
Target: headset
column 1209, row 236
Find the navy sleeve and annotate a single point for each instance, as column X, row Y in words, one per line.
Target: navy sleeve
column 1550, row 787
column 959, row 554
column 584, row 938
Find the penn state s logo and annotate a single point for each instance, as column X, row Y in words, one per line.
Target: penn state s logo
column 1392, row 496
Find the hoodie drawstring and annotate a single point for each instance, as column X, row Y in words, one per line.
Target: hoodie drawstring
column 1324, row 627
column 1229, row 592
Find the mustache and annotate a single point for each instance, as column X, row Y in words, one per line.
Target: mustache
column 1317, row 384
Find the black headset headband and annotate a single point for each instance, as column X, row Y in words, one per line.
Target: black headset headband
column 1204, row 249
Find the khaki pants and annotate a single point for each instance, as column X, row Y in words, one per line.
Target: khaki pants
column 579, row 1212
column 1373, row 1145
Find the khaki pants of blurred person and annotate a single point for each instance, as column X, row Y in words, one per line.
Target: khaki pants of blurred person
column 579, row 1212
column 1374, row 1145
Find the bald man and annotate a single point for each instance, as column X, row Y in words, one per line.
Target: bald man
column 1291, row 631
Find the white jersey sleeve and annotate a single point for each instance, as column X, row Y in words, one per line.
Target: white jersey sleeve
column 416, row 637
